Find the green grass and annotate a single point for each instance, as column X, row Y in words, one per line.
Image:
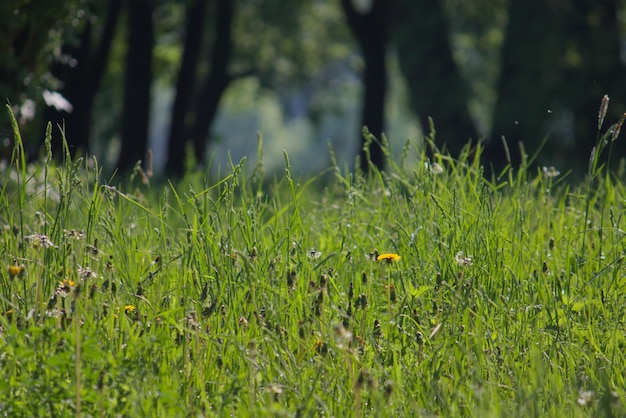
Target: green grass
column 243, row 296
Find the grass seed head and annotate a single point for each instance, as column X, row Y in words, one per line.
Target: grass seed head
column 604, row 106
column 618, row 127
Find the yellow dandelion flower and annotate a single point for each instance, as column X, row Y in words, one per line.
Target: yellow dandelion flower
column 129, row 308
column 67, row 284
column 14, row 271
column 388, row 258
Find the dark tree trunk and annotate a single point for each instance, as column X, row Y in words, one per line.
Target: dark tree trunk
column 217, row 79
column 72, row 71
column 530, row 76
column 137, row 82
column 558, row 60
column 81, row 81
column 371, row 32
column 181, row 124
column 97, row 67
column 436, row 86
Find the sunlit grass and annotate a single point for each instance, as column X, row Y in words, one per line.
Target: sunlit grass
column 428, row 291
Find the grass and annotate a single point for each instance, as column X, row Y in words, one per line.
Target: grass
column 244, row 296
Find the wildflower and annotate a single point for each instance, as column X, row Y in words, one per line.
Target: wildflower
column 462, row 260
column 313, row 254
column 73, row 234
column 39, row 240
column 388, row 258
column 585, row 398
column 550, row 172
column 15, row 271
column 434, row 168
column 129, row 308
column 86, row 273
column 64, row 287
column 54, row 313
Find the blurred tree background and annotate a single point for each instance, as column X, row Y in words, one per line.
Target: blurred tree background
column 195, row 80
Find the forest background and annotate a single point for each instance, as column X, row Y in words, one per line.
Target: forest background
column 161, row 81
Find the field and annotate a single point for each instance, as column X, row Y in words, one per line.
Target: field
column 428, row 289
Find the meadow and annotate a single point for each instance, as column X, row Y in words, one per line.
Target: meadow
column 426, row 289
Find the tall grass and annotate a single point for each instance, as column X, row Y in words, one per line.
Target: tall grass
column 249, row 296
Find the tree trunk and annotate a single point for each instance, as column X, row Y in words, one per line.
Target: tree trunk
column 97, row 66
column 180, row 124
column 80, row 83
column 371, row 30
column 530, row 76
column 436, row 87
column 217, row 80
column 72, row 71
column 558, row 60
column 137, row 83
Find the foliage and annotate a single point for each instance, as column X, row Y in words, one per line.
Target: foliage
column 242, row 297
column 302, row 49
column 283, row 44
column 31, row 34
column 286, row 43
column 476, row 34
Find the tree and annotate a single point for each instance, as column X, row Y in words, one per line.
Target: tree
column 137, row 83
column 186, row 81
column 30, row 34
column 371, row 30
column 217, row 79
column 271, row 41
column 558, row 60
column 530, row 76
column 194, row 114
column 79, row 70
column 436, row 87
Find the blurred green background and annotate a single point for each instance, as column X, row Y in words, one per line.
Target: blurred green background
column 202, row 78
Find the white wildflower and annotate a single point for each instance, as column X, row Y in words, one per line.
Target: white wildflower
column 39, row 241
column 550, row 172
column 463, row 260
